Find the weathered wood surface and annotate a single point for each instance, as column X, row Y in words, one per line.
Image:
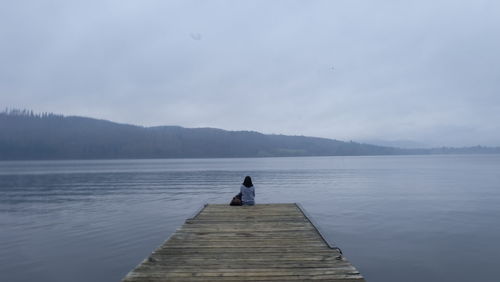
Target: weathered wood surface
column 267, row 242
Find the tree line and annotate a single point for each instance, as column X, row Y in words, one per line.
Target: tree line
column 25, row 135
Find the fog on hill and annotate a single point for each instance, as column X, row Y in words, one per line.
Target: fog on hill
column 25, row 135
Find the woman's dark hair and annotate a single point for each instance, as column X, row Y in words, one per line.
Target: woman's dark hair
column 247, row 182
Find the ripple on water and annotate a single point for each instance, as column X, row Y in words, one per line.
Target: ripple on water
column 412, row 216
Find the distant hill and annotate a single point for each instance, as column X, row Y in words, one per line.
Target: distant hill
column 404, row 144
column 27, row 136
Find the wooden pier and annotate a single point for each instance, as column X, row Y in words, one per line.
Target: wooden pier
column 265, row 242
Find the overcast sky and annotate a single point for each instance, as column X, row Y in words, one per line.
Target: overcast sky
column 427, row 71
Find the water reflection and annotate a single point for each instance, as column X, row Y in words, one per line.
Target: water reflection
column 411, row 217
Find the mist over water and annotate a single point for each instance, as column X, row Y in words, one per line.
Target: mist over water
column 397, row 218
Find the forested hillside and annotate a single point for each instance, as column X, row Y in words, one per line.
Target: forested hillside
column 24, row 135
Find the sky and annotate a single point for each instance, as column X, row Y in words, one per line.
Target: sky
column 425, row 71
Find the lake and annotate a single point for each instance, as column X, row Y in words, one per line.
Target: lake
column 396, row 218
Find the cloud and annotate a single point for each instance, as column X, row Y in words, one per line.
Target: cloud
column 418, row 70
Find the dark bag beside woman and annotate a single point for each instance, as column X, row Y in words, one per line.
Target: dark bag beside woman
column 236, row 201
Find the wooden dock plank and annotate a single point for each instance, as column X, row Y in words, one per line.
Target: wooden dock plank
column 266, row 242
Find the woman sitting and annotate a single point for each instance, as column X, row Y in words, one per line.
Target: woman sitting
column 247, row 192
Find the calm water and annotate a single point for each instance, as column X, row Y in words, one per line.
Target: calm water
column 397, row 218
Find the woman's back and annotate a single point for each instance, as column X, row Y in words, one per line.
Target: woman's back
column 247, row 194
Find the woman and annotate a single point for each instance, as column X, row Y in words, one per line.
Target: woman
column 247, row 192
